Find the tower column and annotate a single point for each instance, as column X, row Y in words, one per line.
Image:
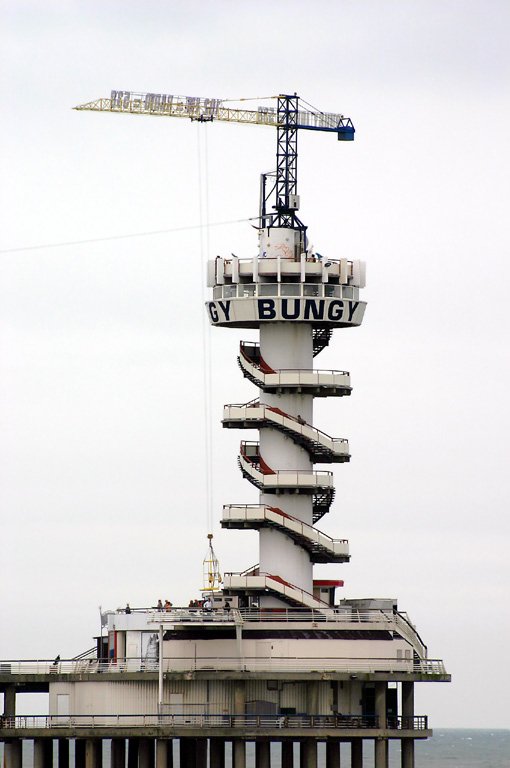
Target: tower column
column 164, row 753
column 287, row 754
column 188, row 753
column 201, row 753
column 43, row 753
column 407, row 745
column 263, row 754
column 12, row 753
column 10, row 701
column 332, row 753
column 239, row 745
column 357, row 753
column 239, row 753
column 309, row 753
column 133, row 747
column 146, row 753
column 118, row 753
column 79, row 753
column 91, row 753
column 381, row 743
column 63, row 753
column 217, row 753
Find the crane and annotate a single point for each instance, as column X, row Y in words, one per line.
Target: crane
column 288, row 118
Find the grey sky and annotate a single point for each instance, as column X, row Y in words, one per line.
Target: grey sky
column 102, row 493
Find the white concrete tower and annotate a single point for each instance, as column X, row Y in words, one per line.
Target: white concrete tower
column 296, row 298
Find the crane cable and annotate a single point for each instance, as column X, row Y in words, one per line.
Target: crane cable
column 203, row 204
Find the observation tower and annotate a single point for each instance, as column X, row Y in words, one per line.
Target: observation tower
column 272, row 665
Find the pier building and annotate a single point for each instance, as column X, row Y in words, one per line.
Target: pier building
column 277, row 658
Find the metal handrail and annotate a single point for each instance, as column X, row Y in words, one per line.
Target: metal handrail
column 213, row 720
column 252, row 460
column 335, row 664
column 304, row 526
column 255, row 403
column 256, row 345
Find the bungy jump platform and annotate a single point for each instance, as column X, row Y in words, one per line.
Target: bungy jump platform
column 278, row 663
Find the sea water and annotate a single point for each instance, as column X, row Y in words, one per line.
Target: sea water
column 449, row 748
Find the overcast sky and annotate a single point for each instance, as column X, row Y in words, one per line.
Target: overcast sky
column 101, row 392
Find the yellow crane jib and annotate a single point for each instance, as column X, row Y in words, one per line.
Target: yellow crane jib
column 207, row 110
column 288, row 117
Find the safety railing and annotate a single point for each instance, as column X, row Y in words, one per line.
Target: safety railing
column 251, row 461
column 274, row 515
column 352, row 666
column 285, row 290
column 269, row 581
column 220, row 720
column 257, row 411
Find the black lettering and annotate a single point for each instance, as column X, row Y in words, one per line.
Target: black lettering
column 353, row 306
column 266, row 309
column 213, row 312
column 335, row 310
column 225, row 307
column 285, row 309
column 314, row 310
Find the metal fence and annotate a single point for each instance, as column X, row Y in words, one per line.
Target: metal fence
column 200, row 720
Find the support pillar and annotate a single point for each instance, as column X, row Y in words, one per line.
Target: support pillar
column 332, row 753
column 146, row 753
column 407, row 745
column 287, row 754
column 188, row 753
column 262, row 754
column 118, row 754
column 217, row 753
column 63, row 753
column 381, row 752
column 10, row 701
column 238, row 745
column 201, row 758
column 164, row 753
column 309, row 753
column 239, row 753
column 239, row 697
column 381, row 743
column 312, row 698
column 357, row 753
column 98, row 750
column 12, row 753
column 133, row 747
column 93, row 753
column 79, row 753
column 43, row 753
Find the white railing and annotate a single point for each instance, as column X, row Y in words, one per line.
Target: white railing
column 263, row 581
column 284, row 290
column 258, row 513
column 348, row 665
column 258, row 412
column 290, row 377
column 211, row 720
column 286, row 478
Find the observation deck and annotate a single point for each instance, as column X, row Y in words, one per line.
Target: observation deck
column 307, row 623
column 302, row 288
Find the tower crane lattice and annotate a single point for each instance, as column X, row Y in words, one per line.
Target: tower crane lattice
column 288, row 118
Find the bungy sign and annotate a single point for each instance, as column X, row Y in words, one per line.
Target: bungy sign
column 253, row 311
